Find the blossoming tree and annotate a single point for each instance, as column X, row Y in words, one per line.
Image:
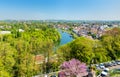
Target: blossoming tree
column 73, row 68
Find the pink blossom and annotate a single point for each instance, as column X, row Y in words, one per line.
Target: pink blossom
column 74, row 68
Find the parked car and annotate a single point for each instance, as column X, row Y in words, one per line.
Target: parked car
column 97, row 66
column 118, row 62
column 104, row 73
column 114, row 63
column 108, row 64
column 101, row 65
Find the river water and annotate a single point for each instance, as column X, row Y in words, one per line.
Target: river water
column 65, row 37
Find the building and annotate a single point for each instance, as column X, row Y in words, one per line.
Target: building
column 5, row 32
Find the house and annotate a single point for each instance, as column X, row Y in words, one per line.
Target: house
column 5, row 32
column 21, row 30
column 39, row 59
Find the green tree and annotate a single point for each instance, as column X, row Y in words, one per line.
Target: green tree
column 81, row 49
column 111, row 42
column 99, row 50
column 7, row 55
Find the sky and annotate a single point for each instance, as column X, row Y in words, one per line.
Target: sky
column 60, row 9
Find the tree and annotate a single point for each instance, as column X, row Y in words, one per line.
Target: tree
column 64, row 53
column 82, row 49
column 99, row 50
column 86, row 50
column 74, row 68
column 7, row 61
column 111, row 41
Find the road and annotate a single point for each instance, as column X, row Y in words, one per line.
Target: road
column 114, row 67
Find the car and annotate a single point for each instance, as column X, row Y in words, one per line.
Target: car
column 101, row 65
column 118, row 62
column 114, row 63
column 106, row 69
column 110, row 64
column 45, row 75
column 104, row 73
column 107, row 65
column 97, row 66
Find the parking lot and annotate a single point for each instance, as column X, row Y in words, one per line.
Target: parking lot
column 114, row 67
column 108, row 68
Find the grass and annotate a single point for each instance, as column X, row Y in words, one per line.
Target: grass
column 115, row 73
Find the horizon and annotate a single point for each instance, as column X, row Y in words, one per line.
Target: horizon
column 98, row 10
column 51, row 20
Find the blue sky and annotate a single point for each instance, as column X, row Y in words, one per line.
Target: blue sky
column 60, row 9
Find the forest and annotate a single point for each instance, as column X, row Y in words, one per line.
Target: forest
column 19, row 50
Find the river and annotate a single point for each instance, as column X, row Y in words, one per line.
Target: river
column 65, row 37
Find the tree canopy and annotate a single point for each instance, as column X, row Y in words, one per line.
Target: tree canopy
column 18, row 50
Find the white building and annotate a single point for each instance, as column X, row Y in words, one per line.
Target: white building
column 5, row 32
column 21, row 30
